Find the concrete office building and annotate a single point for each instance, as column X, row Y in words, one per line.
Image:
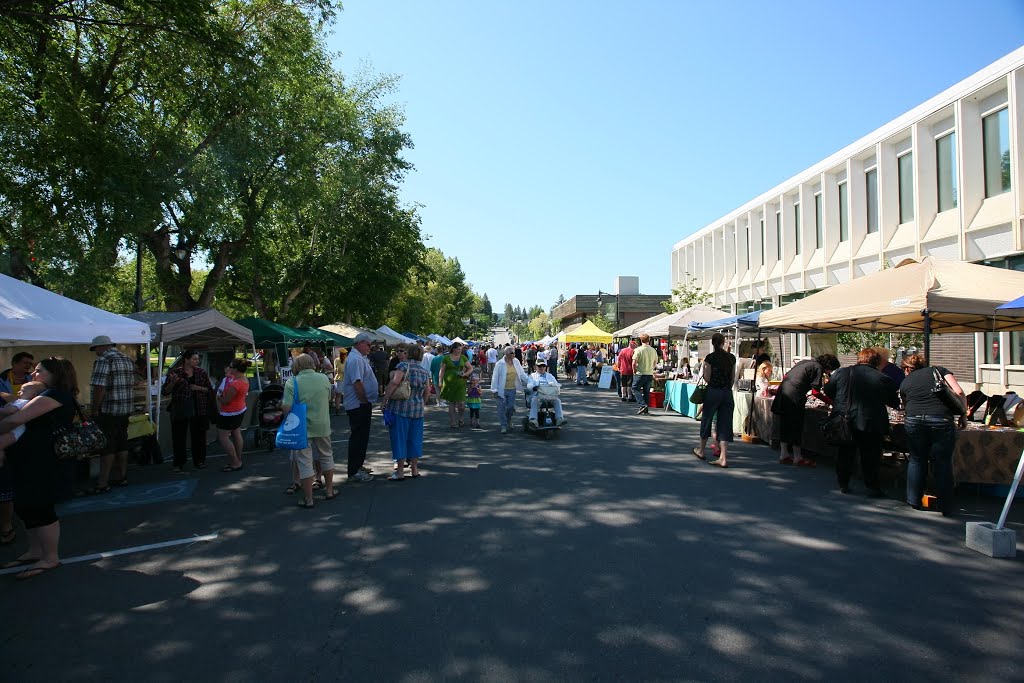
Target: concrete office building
column 943, row 180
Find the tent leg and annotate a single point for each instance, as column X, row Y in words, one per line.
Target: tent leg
column 1013, row 492
column 927, row 337
column 259, row 379
column 149, row 384
column 160, row 373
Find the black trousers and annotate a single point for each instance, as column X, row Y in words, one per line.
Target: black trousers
column 358, row 436
column 196, row 427
column 869, row 446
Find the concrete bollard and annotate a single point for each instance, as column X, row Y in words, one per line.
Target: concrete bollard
column 990, row 540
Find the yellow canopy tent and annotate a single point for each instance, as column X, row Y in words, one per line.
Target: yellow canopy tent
column 587, row 332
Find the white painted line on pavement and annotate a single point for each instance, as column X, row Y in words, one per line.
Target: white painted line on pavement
column 123, row 551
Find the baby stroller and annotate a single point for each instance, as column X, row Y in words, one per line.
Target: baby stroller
column 268, row 416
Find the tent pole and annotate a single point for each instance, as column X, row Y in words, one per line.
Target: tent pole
column 259, row 380
column 927, row 336
column 160, row 374
column 149, row 384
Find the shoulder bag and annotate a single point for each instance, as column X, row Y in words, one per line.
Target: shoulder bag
column 292, row 432
column 946, row 394
column 79, row 441
column 836, row 428
column 403, row 392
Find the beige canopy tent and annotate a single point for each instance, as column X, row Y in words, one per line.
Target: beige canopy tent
column 679, row 320
column 628, row 330
column 588, row 332
column 351, row 331
column 930, row 296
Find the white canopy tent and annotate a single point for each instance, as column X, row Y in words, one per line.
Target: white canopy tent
column 391, row 337
column 351, row 331
column 32, row 316
column 679, row 320
column 628, row 330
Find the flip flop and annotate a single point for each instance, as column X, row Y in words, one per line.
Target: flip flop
column 18, row 563
column 395, row 478
column 718, row 463
column 229, row 468
column 306, row 506
column 7, row 537
column 806, row 463
column 34, row 572
column 332, row 496
column 97, row 491
column 697, row 454
column 292, row 489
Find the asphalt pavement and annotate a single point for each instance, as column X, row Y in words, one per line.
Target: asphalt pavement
column 607, row 554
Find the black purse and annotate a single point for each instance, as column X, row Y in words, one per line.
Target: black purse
column 945, row 394
column 836, row 429
column 79, row 441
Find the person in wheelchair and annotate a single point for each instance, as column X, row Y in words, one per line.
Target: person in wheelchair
column 543, row 387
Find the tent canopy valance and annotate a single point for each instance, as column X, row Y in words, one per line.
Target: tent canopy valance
column 588, row 332
column 957, row 297
column 678, row 320
column 30, row 315
column 203, row 329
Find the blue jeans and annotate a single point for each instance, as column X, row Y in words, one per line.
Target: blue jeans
column 506, row 406
column 642, row 388
column 931, row 440
column 581, row 374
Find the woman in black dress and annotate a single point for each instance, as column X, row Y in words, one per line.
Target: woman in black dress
column 790, row 401
column 35, row 469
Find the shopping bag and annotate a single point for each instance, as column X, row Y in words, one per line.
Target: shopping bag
column 291, row 435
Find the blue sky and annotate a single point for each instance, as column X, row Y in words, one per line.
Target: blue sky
column 561, row 143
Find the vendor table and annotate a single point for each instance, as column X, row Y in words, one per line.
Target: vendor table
column 677, row 397
column 982, row 456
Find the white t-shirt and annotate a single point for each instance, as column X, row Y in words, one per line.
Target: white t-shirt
column 492, row 355
column 427, row 357
column 20, row 429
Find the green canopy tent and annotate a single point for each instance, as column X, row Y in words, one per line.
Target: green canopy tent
column 330, row 338
column 267, row 334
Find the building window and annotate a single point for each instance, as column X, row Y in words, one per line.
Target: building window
column 746, row 243
column 819, row 222
column 991, row 348
column 844, row 213
column 871, row 181
column 906, row 177
column 1017, row 348
column 796, row 228
column 763, row 243
column 945, row 153
column 778, row 235
column 995, row 130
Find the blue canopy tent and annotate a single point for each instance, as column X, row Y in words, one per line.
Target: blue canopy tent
column 744, row 324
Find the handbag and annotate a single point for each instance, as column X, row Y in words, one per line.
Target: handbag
column 79, row 441
column 945, row 394
column 292, row 432
column 403, row 391
column 697, row 397
column 836, row 428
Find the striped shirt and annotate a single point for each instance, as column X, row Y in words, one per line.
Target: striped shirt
column 418, row 379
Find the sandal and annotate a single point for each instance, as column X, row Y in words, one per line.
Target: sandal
column 697, row 454
column 806, row 463
column 229, row 468
column 786, row 460
column 33, row 572
column 97, row 490
column 306, row 506
column 395, row 477
column 7, row 537
column 331, row 496
column 718, row 463
column 292, row 489
column 120, row 482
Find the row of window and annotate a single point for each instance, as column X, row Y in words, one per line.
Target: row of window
column 996, row 153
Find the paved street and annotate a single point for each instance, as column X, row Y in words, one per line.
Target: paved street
column 608, row 554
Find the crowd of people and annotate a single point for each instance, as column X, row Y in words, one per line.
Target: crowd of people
column 40, row 399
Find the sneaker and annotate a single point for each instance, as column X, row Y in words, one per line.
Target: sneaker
column 533, row 423
column 642, row 411
column 504, row 430
column 366, row 469
column 562, row 422
column 361, row 476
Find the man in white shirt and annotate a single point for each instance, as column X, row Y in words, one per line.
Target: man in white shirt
column 492, row 358
column 543, row 378
column 427, row 357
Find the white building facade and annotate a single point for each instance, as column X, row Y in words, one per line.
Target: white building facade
column 945, row 179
